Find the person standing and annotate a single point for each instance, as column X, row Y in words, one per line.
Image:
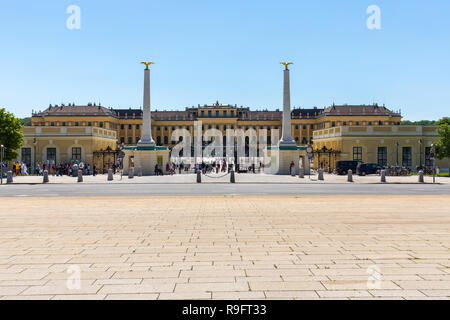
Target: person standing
column 292, row 168
column 24, row 169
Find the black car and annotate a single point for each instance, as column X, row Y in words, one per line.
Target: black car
column 343, row 166
column 368, row 168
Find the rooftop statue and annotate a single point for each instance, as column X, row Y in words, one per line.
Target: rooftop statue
column 147, row 64
column 286, row 64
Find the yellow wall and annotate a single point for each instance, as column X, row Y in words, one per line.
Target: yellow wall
column 369, row 139
column 302, row 129
column 64, row 139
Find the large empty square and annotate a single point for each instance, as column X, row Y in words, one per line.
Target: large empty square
column 237, row 247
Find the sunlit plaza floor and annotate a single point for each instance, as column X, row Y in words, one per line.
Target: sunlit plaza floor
column 226, row 247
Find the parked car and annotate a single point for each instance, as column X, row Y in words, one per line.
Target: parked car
column 342, row 166
column 368, row 168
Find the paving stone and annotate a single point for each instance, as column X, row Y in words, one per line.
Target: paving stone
column 242, row 247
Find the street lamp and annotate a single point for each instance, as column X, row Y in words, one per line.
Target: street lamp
column 397, row 153
column 420, row 153
column 34, row 162
column 1, row 163
column 433, row 158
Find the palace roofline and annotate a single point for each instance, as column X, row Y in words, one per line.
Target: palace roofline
column 192, row 113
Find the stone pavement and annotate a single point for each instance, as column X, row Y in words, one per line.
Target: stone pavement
column 240, row 178
column 229, row 247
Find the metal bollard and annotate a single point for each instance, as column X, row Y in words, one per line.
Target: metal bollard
column 131, row 173
column 350, row 175
column 110, row 175
column 320, row 171
column 9, row 177
column 383, row 175
column 421, row 179
column 45, row 176
column 80, row 176
column 232, row 179
column 139, row 171
column 199, row 176
column 301, row 173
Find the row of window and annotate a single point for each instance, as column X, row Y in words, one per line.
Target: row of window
column 297, row 126
column 130, row 126
column 382, row 156
column 217, row 113
column 129, row 140
column 77, row 124
column 304, row 126
column 357, row 123
column 218, row 127
column 137, row 126
column 51, row 155
column 166, row 140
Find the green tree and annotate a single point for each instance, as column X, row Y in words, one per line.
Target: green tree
column 10, row 134
column 26, row 122
column 418, row 123
column 443, row 144
column 445, row 120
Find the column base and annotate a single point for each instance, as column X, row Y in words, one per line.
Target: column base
column 146, row 159
column 146, row 143
column 281, row 158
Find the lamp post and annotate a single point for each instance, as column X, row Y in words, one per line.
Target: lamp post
column 329, row 160
column 433, row 158
column 1, row 163
column 420, row 153
column 397, row 153
column 34, row 162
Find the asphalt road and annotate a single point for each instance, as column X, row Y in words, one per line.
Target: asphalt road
column 117, row 190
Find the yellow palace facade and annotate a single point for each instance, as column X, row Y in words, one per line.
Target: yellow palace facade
column 93, row 133
column 127, row 123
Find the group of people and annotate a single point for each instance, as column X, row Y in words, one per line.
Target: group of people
column 18, row 168
column 68, row 168
column 172, row 167
column 73, row 167
column 212, row 167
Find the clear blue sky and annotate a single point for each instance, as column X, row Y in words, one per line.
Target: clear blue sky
column 228, row 51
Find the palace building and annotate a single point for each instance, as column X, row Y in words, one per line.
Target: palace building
column 127, row 123
column 94, row 133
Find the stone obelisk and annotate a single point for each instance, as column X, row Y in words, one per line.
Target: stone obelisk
column 146, row 157
column 286, row 139
column 146, row 139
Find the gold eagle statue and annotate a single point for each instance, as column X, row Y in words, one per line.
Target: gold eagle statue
column 285, row 64
column 147, row 64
